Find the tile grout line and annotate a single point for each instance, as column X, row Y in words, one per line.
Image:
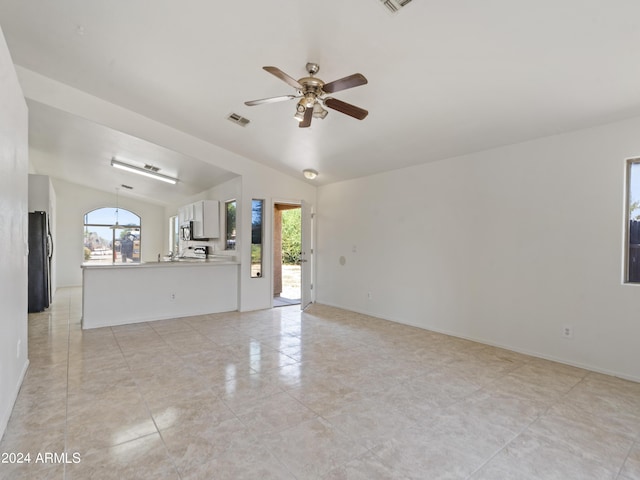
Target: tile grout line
column 582, row 379
column 633, row 444
column 498, row 451
column 235, row 415
column 144, row 400
column 66, row 397
column 525, row 428
column 554, row 404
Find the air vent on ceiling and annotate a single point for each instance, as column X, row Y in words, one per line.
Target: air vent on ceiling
column 238, row 119
column 151, row 168
column 394, row 5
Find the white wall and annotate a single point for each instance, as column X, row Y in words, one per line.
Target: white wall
column 257, row 293
column 505, row 247
column 268, row 185
column 231, row 189
column 13, row 235
column 73, row 202
column 258, row 181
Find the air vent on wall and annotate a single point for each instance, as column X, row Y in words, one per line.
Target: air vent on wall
column 151, row 168
column 128, row 187
column 238, row 119
column 394, row 5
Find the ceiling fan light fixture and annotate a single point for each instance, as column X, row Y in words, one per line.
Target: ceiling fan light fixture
column 141, row 171
column 310, row 173
column 319, row 112
column 301, row 107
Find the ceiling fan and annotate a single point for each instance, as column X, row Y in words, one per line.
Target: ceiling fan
column 312, row 94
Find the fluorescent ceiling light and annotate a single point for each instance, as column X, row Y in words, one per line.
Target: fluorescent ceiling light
column 142, row 171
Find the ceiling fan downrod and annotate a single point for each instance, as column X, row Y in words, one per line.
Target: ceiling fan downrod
column 312, row 68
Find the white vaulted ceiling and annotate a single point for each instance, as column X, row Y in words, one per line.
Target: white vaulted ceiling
column 446, row 77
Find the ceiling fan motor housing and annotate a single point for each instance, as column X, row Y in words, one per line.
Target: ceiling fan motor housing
column 311, row 90
column 311, row 85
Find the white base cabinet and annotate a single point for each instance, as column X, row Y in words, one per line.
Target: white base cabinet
column 132, row 293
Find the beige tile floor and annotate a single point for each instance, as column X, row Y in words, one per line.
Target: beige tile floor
column 326, row 394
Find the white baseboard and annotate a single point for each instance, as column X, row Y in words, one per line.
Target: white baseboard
column 4, row 420
column 493, row 344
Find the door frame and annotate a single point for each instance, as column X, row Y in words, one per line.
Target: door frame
column 307, row 264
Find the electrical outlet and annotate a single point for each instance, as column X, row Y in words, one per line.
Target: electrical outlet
column 172, row 297
column 369, row 295
column 567, row 331
column 18, row 348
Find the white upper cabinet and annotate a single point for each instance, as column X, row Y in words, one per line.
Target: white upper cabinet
column 205, row 216
column 186, row 213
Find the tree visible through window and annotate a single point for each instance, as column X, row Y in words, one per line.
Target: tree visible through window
column 111, row 235
column 230, row 224
column 633, row 238
column 257, row 230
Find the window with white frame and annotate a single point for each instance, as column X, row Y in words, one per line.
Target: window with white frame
column 633, row 222
column 111, row 235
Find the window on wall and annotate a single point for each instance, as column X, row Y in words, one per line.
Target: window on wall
column 230, row 224
column 633, row 221
column 257, row 230
column 111, row 235
column 173, row 235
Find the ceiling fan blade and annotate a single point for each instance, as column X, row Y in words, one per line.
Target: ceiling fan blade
column 269, row 100
column 284, row 77
column 351, row 81
column 346, row 108
column 306, row 121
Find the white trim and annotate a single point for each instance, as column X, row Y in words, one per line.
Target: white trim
column 4, row 421
column 497, row 345
column 626, row 219
column 274, row 202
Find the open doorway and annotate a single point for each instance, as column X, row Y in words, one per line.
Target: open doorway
column 287, row 248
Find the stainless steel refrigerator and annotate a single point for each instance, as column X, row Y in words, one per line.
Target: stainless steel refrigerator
column 40, row 253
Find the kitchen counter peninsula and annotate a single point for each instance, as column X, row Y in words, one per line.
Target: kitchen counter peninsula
column 118, row 294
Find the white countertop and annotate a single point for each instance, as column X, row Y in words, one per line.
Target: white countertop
column 121, row 293
column 183, row 262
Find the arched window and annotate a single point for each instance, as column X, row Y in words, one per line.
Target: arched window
column 111, row 235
